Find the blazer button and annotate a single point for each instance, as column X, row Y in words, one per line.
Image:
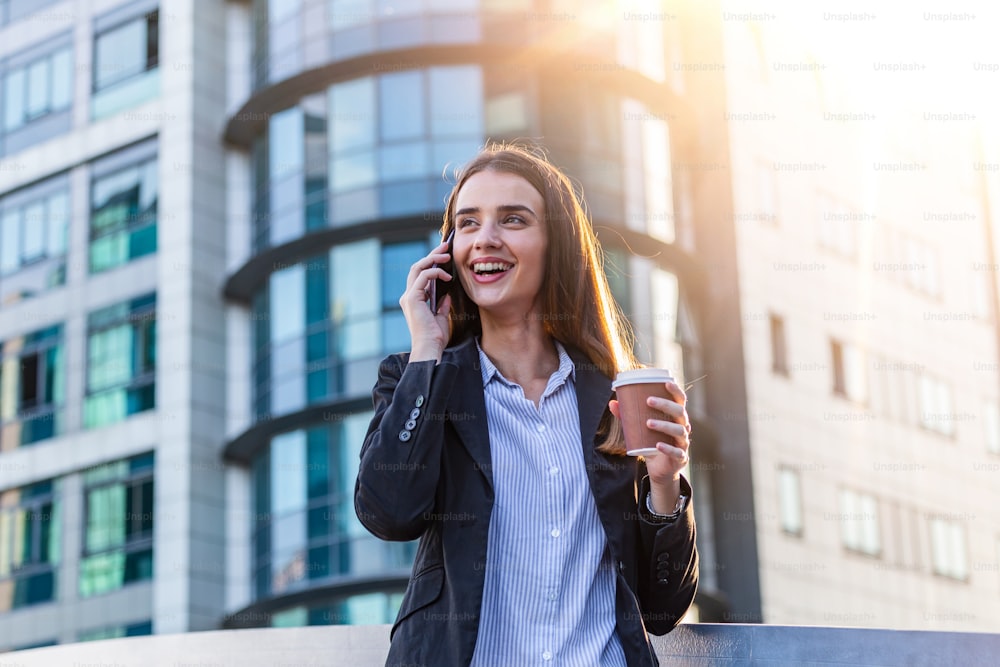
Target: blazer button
column 410, row 424
column 420, row 400
column 621, row 566
column 663, row 557
column 404, row 435
column 414, row 413
column 663, row 580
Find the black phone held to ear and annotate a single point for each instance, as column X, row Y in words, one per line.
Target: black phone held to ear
column 438, row 288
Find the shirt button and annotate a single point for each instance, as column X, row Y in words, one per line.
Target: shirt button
column 552, row 596
column 554, row 470
column 540, row 428
column 547, row 655
column 555, row 532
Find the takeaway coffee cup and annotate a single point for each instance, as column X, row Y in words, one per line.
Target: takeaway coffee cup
column 633, row 388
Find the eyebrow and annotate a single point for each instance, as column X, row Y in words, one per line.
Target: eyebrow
column 505, row 208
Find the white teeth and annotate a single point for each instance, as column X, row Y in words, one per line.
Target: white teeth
column 484, row 267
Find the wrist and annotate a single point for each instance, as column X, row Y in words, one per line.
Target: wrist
column 425, row 352
column 664, row 496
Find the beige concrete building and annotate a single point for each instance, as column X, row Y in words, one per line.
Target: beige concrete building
column 867, row 253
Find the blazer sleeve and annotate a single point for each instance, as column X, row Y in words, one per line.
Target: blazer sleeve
column 401, row 455
column 668, row 562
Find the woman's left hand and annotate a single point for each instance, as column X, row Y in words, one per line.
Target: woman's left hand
column 665, row 468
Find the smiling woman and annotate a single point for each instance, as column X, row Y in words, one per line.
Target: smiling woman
column 496, row 442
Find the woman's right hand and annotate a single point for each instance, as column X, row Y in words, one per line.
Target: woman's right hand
column 428, row 331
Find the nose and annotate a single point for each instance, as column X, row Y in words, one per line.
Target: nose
column 487, row 236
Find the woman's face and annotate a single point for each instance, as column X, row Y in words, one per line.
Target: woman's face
column 500, row 243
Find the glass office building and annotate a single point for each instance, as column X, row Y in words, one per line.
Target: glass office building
column 357, row 115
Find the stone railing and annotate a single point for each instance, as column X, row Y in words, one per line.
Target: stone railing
column 366, row 645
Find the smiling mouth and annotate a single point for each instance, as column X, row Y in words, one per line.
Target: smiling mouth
column 491, row 268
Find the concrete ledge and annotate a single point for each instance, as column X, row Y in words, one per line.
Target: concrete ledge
column 366, row 646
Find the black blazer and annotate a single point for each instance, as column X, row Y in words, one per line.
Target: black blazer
column 425, row 473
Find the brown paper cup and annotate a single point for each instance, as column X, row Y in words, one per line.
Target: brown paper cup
column 633, row 388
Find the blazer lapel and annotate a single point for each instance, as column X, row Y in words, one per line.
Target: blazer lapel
column 467, row 404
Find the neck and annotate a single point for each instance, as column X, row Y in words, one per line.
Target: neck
column 521, row 350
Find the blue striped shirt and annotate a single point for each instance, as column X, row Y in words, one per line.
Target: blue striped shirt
column 549, row 593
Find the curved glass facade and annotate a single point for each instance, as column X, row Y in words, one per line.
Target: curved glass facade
column 353, row 153
column 323, row 324
column 372, row 147
column 305, row 530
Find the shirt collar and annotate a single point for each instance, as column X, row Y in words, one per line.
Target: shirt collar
column 566, row 368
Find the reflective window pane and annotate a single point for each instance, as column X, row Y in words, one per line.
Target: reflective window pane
column 286, row 142
column 33, row 244
column 287, row 304
column 400, row 162
column 120, row 53
column 401, row 109
column 62, row 79
column 351, row 172
column 456, row 101
column 58, row 224
column 352, row 115
column 397, row 258
column 288, row 473
column 14, row 102
column 38, row 88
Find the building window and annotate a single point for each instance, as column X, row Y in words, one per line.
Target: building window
column 849, row 377
column 948, row 551
column 32, row 387
column 837, row 225
column 322, row 324
column 617, row 269
column 118, row 525
column 779, row 352
column 29, row 544
column 922, row 261
column 991, row 421
column 121, row 361
column 115, row 632
column 33, row 227
column 38, row 88
column 936, row 406
column 790, row 498
column 647, row 180
column 126, row 59
column 375, row 142
column 665, row 301
column 859, row 524
column 305, row 528
column 123, row 215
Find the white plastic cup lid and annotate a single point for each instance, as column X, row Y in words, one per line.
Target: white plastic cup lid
column 642, row 376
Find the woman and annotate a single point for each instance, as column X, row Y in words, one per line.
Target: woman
column 496, row 442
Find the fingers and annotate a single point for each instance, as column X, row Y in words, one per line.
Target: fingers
column 437, row 256
column 674, row 429
column 678, row 454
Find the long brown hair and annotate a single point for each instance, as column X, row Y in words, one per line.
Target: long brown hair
column 576, row 303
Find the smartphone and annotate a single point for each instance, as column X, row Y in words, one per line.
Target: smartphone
column 440, row 287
